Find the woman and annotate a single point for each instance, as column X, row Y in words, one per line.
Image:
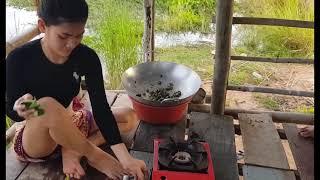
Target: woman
column 50, row 69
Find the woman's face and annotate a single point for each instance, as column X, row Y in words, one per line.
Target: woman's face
column 63, row 38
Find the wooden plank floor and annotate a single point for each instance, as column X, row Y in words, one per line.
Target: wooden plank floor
column 13, row 166
column 147, row 132
column 257, row 173
column 302, row 150
column 218, row 131
column 261, row 141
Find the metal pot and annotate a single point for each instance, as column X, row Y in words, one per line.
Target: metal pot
column 150, row 76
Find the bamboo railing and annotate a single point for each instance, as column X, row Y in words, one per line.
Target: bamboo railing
column 224, row 21
column 270, row 22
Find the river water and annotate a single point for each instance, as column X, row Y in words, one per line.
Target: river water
column 19, row 20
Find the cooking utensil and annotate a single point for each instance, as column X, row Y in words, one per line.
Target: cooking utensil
column 140, row 80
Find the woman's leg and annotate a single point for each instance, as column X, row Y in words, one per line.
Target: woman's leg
column 127, row 121
column 42, row 134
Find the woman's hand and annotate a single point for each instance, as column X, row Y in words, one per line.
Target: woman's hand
column 136, row 168
column 22, row 109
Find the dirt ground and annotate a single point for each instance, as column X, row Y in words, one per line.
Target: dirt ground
column 287, row 76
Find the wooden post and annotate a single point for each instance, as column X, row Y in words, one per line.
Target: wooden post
column 148, row 34
column 222, row 58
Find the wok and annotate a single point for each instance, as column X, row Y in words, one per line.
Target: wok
column 150, row 76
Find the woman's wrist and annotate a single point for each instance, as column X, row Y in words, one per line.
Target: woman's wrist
column 121, row 152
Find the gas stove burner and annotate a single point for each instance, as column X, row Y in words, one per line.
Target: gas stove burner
column 182, row 157
column 187, row 160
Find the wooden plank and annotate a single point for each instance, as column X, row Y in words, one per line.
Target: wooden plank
column 146, row 132
column 271, row 90
column 255, row 173
column 273, row 60
column 122, row 100
column 302, row 151
column 45, row 170
column 146, row 157
column 261, row 142
column 278, row 117
column 13, row 166
column 222, row 60
column 281, row 132
column 218, row 131
column 271, row 22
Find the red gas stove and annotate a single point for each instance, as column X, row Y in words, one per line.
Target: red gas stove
column 187, row 160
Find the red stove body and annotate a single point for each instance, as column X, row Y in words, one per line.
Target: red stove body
column 163, row 174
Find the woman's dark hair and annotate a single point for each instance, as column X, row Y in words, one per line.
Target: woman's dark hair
column 55, row 12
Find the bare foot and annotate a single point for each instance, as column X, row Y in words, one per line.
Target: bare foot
column 307, row 131
column 71, row 163
column 107, row 164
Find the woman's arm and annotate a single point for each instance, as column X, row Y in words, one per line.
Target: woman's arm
column 15, row 84
column 105, row 119
column 102, row 113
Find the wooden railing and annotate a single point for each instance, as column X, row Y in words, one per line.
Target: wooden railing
column 224, row 21
column 270, row 22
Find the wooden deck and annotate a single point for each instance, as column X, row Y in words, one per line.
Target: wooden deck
column 264, row 155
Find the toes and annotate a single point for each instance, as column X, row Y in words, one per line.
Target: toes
column 76, row 175
column 80, row 170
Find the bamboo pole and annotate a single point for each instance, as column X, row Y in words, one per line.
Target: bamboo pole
column 148, row 34
column 273, row 60
column 21, row 39
column 224, row 11
column 271, row 22
column 271, row 90
column 279, row 117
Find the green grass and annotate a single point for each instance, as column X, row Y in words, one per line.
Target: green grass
column 117, row 37
column 277, row 41
column 268, row 102
column 184, row 15
column 25, row 4
column 305, row 109
column 242, row 73
column 198, row 58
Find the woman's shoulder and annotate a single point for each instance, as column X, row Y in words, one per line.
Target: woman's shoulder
column 86, row 54
column 85, row 50
column 24, row 50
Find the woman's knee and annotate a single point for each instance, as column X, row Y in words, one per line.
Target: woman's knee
column 53, row 110
column 125, row 114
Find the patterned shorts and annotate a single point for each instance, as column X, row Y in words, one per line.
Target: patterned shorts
column 82, row 119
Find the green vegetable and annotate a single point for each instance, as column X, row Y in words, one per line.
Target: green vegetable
column 32, row 104
column 67, row 178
